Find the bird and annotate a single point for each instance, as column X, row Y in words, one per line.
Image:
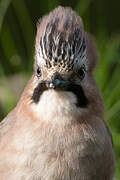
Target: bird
column 57, row 129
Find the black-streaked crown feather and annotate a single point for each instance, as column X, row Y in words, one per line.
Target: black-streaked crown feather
column 60, row 39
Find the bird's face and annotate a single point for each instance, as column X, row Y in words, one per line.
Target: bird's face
column 62, row 64
column 60, row 78
column 61, row 59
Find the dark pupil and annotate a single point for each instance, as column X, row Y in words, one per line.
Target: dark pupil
column 81, row 73
column 38, row 72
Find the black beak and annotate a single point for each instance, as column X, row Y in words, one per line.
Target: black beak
column 57, row 84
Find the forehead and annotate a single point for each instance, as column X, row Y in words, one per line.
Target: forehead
column 60, row 40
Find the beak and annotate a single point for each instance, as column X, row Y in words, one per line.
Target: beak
column 57, row 83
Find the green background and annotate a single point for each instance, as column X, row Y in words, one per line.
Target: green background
column 18, row 20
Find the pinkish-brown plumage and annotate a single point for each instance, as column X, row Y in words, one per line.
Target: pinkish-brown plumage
column 57, row 130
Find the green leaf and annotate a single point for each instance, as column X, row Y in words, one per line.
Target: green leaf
column 4, row 4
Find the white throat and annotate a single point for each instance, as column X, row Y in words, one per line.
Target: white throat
column 56, row 106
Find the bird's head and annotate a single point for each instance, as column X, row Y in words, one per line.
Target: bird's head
column 60, row 47
column 63, row 61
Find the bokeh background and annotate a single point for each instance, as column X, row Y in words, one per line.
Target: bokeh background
column 17, row 38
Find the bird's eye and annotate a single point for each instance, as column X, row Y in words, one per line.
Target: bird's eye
column 81, row 72
column 38, row 72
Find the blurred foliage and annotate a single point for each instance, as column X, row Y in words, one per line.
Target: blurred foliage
column 17, row 36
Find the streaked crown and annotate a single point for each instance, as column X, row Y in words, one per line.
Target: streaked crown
column 60, row 41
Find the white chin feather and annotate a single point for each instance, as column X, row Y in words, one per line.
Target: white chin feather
column 56, row 106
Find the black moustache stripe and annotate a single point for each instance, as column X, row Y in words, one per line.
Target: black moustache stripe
column 38, row 92
column 82, row 100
